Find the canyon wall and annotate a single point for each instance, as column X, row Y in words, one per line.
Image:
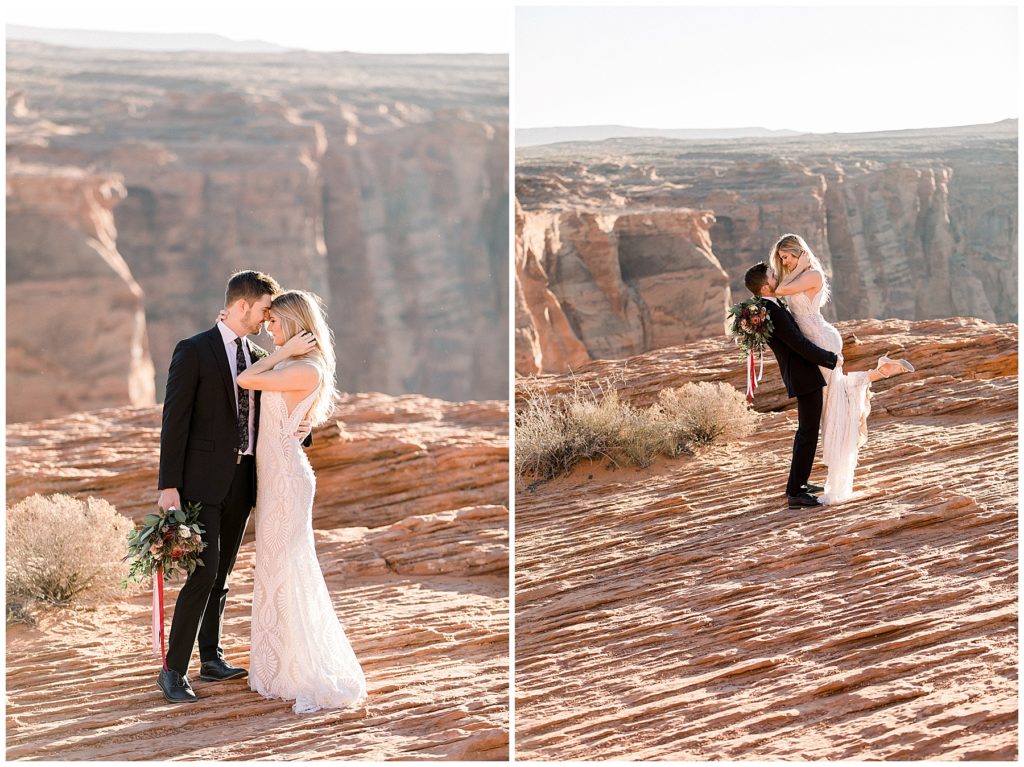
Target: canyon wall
column 378, row 182
column 600, row 286
column 910, row 225
column 76, row 327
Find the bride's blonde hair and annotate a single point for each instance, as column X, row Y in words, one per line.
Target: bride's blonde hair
column 794, row 243
column 300, row 310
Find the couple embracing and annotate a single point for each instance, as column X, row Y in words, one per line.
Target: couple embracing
column 809, row 351
column 233, row 414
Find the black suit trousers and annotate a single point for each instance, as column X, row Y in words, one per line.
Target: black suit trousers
column 199, row 610
column 805, row 443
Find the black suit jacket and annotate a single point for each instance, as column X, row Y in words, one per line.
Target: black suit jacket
column 199, row 436
column 798, row 358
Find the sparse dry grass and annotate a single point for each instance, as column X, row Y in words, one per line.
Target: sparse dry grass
column 60, row 549
column 706, row 413
column 553, row 434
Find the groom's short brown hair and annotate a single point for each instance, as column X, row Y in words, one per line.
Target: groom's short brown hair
column 756, row 278
column 251, row 286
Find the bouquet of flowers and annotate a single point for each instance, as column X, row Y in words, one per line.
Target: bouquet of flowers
column 752, row 328
column 169, row 542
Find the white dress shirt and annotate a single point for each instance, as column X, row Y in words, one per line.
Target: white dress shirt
column 231, row 350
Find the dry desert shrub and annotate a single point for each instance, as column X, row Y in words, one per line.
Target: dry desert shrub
column 19, row 613
column 60, row 549
column 554, row 433
column 705, row 413
column 643, row 435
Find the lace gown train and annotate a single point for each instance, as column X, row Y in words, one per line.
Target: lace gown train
column 299, row 650
column 847, row 402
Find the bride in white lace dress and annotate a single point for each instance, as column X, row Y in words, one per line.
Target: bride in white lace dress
column 847, row 396
column 298, row 649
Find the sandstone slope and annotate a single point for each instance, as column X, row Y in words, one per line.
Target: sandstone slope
column 411, row 528
column 379, row 460
column 684, row 612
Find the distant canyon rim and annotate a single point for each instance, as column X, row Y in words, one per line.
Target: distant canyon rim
column 627, row 245
column 137, row 182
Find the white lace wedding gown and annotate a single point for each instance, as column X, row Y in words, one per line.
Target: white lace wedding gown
column 298, row 649
column 847, row 402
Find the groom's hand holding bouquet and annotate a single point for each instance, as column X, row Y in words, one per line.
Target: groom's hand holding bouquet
column 752, row 328
column 169, row 542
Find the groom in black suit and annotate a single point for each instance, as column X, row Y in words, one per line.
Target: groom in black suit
column 798, row 360
column 207, row 456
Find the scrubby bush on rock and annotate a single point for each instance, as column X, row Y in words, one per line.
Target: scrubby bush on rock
column 61, row 549
column 554, row 433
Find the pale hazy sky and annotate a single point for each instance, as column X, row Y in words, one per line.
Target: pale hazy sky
column 482, row 27
column 817, row 69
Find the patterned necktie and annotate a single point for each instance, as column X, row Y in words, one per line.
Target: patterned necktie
column 243, row 401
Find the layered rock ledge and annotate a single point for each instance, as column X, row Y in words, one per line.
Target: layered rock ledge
column 684, row 612
column 411, row 529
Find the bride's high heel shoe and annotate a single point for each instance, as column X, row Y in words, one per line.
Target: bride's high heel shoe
column 883, row 360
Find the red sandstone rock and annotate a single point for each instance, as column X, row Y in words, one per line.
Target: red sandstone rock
column 683, row 612
column 76, row 328
column 424, row 602
column 910, row 224
column 411, row 529
column 605, row 286
column 380, row 183
column 961, row 347
column 383, row 459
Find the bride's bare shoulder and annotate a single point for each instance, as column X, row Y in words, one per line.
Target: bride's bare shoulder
column 811, row 281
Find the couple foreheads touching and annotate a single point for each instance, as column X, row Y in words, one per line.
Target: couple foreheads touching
column 235, row 420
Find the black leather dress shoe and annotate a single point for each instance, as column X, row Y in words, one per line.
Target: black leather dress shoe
column 218, row 671
column 175, row 687
column 809, row 488
column 803, row 500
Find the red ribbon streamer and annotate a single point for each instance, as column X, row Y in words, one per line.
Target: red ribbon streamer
column 158, row 616
column 751, row 380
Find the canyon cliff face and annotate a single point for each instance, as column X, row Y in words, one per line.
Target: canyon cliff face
column 598, row 286
column 76, row 327
column 410, row 522
column 378, row 182
column 683, row 612
column 911, row 225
